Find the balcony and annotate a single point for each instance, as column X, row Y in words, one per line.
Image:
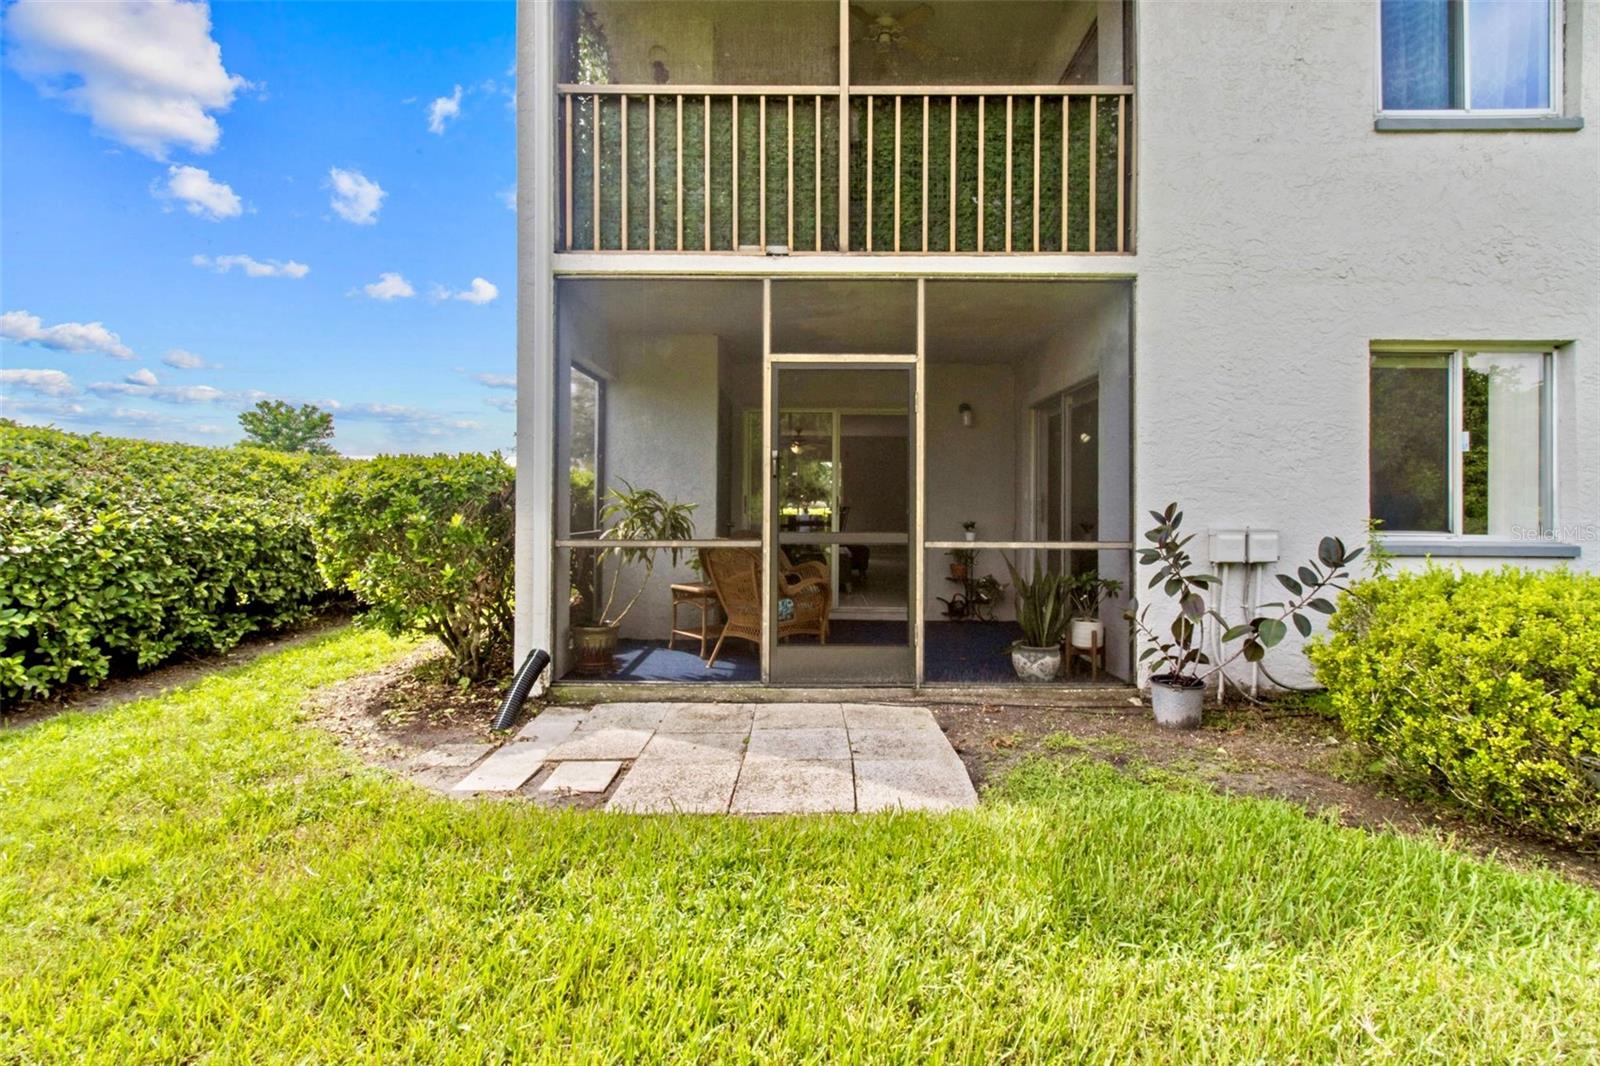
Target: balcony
column 930, row 169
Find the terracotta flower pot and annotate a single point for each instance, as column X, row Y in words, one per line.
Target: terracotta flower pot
column 594, row 647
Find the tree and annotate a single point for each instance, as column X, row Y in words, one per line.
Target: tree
column 284, row 428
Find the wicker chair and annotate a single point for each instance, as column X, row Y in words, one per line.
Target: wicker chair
column 736, row 575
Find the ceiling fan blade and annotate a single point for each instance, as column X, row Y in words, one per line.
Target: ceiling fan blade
column 863, row 18
column 920, row 49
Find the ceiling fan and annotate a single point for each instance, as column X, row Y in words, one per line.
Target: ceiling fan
column 893, row 33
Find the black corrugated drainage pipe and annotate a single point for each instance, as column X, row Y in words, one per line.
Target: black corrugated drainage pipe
column 532, row 667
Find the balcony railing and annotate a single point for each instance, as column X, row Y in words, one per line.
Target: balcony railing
column 962, row 169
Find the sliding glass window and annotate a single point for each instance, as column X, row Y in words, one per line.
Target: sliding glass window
column 1460, row 442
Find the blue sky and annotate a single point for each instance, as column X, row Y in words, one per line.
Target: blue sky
column 204, row 185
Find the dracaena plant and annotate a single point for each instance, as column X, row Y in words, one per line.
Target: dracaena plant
column 639, row 514
column 1178, row 650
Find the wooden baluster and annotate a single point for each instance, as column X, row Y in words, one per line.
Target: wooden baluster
column 869, row 172
column 735, row 243
column 761, row 172
column 790, row 245
column 705, row 169
column 677, row 155
column 624, row 210
column 650, row 161
column 594, row 167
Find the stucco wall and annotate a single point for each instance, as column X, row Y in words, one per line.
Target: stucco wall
column 1279, row 234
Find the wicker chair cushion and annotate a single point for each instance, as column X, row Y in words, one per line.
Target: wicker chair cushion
column 785, row 608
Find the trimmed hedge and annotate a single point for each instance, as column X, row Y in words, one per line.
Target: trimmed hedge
column 1484, row 687
column 122, row 553
column 426, row 542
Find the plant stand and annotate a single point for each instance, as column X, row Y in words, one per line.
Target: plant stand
column 1095, row 653
column 970, row 604
column 693, row 594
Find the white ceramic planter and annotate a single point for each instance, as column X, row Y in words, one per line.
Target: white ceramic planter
column 1176, row 706
column 1087, row 633
column 1035, row 664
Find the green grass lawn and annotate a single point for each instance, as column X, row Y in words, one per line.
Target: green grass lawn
column 206, row 877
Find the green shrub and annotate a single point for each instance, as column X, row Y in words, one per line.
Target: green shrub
column 427, row 543
column 123, row 553
column 1484, row 687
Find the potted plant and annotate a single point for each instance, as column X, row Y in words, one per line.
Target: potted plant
column 1086, row 593
column 961, row 560
column 1042, row 614
column 970, row 530
column 627, row 514
column 1178, row 684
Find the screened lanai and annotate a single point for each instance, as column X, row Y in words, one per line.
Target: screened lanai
column 850, row 464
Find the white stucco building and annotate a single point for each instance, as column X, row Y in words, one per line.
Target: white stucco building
column 1294, row 265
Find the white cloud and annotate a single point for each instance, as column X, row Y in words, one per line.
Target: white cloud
column 42, row 382
column 23, row 328
column 202, row 196
column 389, row 286
column 185, row 360
column 407, row 422
column 253, row 268
column 479, row 292
column 502, row 403
column 443, row 110
column 142, row 376
column 146, row 72
column 356, row 197
column 160, row 393
column 496, row 381
column 508, row 196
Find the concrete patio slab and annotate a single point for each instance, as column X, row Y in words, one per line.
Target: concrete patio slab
column 771, row 785
column 708, row 718
column 451, row 755
column 667, row 786
column 581, row 777
column 694, row 748
column 937, row 784
column 832, row 743
column 879, row 743
column 779, row 758
column 605, row 742
column 884, row 716
column 556, row 720
column 507, row 769
column 626, row 716
column 798, row 715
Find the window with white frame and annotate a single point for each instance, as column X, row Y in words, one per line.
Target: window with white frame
column 1483, row 56
column 1460, row 442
